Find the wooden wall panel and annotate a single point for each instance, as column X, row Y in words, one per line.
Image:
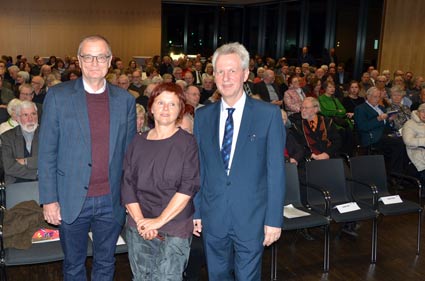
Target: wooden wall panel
column 403, row 42
column 53, row 27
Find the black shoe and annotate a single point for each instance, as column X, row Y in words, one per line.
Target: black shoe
column 305, row 233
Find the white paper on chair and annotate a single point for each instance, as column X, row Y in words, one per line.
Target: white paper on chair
column 119, row 242
column 290, row 212
column 348, row 207
column 393, row 199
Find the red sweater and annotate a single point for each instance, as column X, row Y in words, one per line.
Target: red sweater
column 98, row 111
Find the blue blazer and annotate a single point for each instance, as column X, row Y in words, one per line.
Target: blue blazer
column 251, row 196
column 369, row 128
column 64, row 160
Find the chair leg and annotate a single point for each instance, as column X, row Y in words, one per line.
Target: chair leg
column 273, row 270
column 374, row 239
column 326, row 250
column 418, row 248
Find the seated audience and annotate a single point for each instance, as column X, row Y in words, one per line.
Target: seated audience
column 124, row 83
column 374, row 130
column 315, row 134
column 420, row 100
column 6, row 95
column 403, row 112
column 141, row 119
column 12, row 122
column 207, row 88
column 414, row 139
column 193, row 96
column 39, row 92
column 352, row 99
column 268, row 89
column 294, row 96
column 20, row 146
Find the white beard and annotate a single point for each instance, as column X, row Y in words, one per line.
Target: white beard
column 29, row 128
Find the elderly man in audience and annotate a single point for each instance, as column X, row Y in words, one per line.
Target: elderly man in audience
column 207, row 89
column 177, row 73
column 197, row 74
column 26, row 93
column 13, row 75
column 193, row 97
column 136, row 82
column 39, row 92
column 365, row 83
column 374, row 130
column 403, row 112
column 188, row 78
column 12, row 122
column 20, row 146
column 311, row 136
column 268, row 89
column 124, row 83
column 414, row 139
column 166, row 66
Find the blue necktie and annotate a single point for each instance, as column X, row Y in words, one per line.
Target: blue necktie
column 226, row 147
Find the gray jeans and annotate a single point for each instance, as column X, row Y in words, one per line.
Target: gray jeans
column 157, row 260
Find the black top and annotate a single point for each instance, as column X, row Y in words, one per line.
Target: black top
column 154, row 170
column 350, row 103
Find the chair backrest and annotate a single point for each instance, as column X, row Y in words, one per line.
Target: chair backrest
column 19, row 192
column 292, row 192
column 328, row 174
column 370, row 169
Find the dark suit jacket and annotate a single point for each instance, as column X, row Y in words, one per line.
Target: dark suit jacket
column 65, row 152
column 12, row 147
column 369, row 128
column 251, row 196
column 261, row 89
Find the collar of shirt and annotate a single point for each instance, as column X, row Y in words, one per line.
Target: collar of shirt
column 90, row 90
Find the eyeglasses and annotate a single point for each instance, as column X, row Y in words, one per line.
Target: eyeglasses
column 26, row 95
column 306, row 107
column 99, row 58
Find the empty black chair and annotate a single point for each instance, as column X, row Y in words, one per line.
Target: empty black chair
column 370, row 169
column 330, row 175
column 292, row 196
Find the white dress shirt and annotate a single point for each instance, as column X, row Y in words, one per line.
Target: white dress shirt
column 237, row 119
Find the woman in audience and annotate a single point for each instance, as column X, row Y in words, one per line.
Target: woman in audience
column 414, row 139
column 161, row 175
column 208, row 71
column 141, row 119
column 12, row 121
column 353, row 99
column 332, row 107
column 59, row 66
column 403, row 112
column 294, row 96
column 314, row 88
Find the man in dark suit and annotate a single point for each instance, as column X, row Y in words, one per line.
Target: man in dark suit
column 268, row 89
column 374, row 130
column 20, row 146
column 86, row 128
column 241, row 142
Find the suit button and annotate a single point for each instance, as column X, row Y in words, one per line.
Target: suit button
column 228, row 183
column 86, row 187
column 89, row 164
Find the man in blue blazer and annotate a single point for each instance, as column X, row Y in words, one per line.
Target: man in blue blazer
column 239, row 207
column 374, row 129
column 85, row 131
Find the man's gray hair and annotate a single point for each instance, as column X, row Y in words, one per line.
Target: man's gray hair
column 23, row 105
column 397, row 89
column 371, row 90
column 92, row 38
column 232, row 48
column 314, row 102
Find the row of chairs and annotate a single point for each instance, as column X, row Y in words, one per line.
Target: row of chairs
column 11, row 195
column 328, row 186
